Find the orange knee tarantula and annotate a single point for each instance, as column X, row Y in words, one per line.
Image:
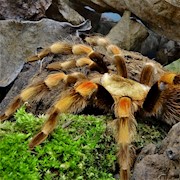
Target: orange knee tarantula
column 107, row 89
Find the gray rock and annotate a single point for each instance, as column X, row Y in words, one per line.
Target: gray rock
column 105, row 25
column 36, row 10
column 168, row 51
column 163, row 50
column 161, row 16
column 174, row 2
column 69, row 14
column 127, row 33
column 19, row 39
column 160, row 162
column 88, row 13
column 22, row 9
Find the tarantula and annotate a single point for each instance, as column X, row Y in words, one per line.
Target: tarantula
column 104, row 88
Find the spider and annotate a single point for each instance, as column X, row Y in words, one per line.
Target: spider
column 109, row 89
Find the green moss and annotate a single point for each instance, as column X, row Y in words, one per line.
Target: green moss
column 16, row 160
column 149, row 131
column 174, row 66
column 79, row 148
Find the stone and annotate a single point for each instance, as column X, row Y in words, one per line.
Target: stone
column 19, row 39
column 163, row 50
column 174, row 66
column 160, row 161
column 24, row 10
column 35, row 10
column 160, row 16
column 61, row 11
column 127, row 33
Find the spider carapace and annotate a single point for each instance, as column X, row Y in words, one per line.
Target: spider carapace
column 107, row 86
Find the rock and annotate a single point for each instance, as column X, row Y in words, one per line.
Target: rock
column 174, row 66
column 103, row 5
column 127, row 33
column 19, row 39
column 36, row 10
column 168, row 51
column 105, row 25
column 24, row 10
column 151, row 44
column 174, row 2
column 61, row 11
column 160, row 162
column 161, row 16
column 88, row 13
column 163, row 50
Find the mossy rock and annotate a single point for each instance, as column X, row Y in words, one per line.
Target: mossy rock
column 174, row 66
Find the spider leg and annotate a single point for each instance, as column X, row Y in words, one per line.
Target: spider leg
column 56, row 48
column 62, row 65
column 97, row 41
column 65, row 48
column 126, row 130
column 147, row 73
column 94, row 60
column 103, row 99
column 25, row 95
column 53, row 80
column 153, row 98
column 61, row 48
column 38, row 89
column 163, row 98
column 72, row 64
column 120, row 64
column 113, row 49
column 119, row 60
column 80, row 49
column 99, row 64
column 72, row 101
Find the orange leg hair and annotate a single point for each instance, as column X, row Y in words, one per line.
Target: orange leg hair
column 72, row 101
column 163, row 98
column 126, row 129
column 26, row 94
column 97, row 41
column 38, row 89
column 61, row 48
column 71, row 64
column 120, row 64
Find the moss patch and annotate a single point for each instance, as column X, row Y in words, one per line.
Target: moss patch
column 174, row 66
column 80, row 147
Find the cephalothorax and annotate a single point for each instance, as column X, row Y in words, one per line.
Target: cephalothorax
column 104, row 88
